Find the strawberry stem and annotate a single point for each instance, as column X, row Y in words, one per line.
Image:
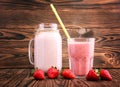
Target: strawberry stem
column 97, row 70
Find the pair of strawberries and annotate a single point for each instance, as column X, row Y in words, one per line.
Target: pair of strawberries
column 53, row 73
column 95, row 75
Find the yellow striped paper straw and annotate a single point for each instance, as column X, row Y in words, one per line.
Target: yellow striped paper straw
column 59, row 20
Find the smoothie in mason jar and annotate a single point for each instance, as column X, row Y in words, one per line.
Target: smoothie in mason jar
column 47, row 47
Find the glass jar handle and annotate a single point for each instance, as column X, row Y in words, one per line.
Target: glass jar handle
column 30, row 51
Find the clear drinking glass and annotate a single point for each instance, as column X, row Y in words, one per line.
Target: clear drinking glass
column 81, row 54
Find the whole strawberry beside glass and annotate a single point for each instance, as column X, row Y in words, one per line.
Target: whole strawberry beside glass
column 95, row 75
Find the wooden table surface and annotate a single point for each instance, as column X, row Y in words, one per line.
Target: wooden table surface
column 24, row 78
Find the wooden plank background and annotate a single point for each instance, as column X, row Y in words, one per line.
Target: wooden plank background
column 20, row 18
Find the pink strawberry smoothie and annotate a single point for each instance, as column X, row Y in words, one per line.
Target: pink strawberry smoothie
column 81, row 57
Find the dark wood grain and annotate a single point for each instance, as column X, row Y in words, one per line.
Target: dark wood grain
column 13, row 52
column 24, row 78
column 20, row 18
column 87, row 13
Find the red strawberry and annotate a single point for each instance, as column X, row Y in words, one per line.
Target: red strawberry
column 68, row 74
column 39, row 74
column 52, row 73
column 92, row 76
column 105, row 75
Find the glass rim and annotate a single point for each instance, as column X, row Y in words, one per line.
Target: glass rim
column 82, row 38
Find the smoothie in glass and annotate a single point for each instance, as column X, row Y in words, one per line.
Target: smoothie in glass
column 81, row 53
